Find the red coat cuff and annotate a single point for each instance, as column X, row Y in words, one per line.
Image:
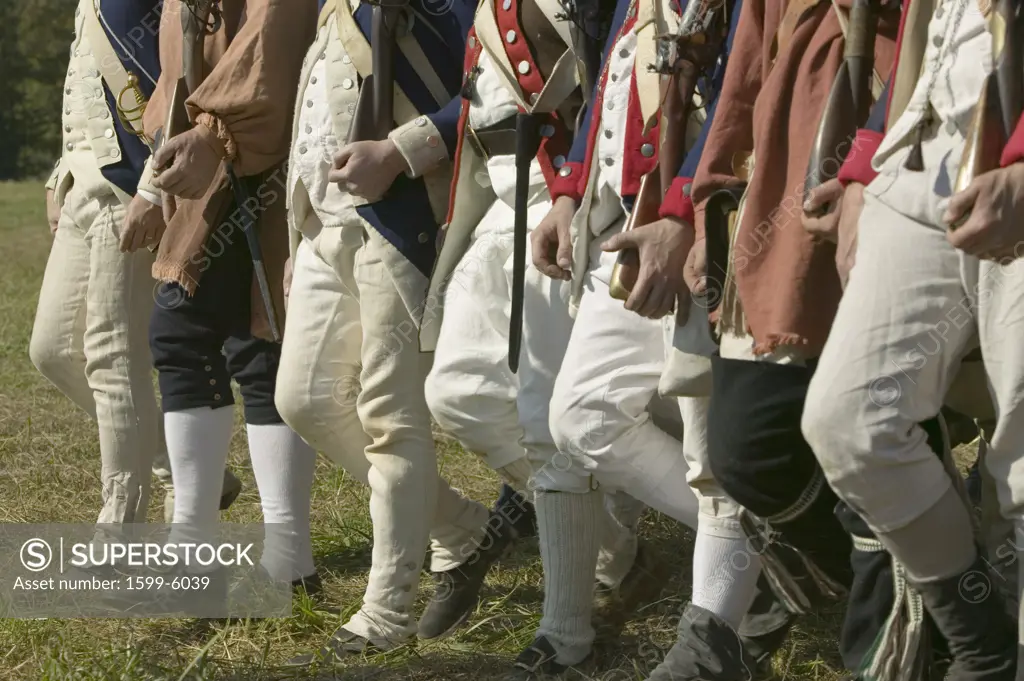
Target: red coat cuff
column 677, row 202
column 567, row 181
column 857, row 166
column 1014, row 149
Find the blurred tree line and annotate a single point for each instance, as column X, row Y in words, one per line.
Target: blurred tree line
column 35, row 40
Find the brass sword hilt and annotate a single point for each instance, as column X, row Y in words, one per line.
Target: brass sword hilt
column 130, row 115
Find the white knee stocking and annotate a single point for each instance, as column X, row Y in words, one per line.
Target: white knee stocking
column 725, row 570
column 568, row 527
column 197, row 447
column 284, row 466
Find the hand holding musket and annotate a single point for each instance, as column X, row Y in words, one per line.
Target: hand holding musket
column 681, row 58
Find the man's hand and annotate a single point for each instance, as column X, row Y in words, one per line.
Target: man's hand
column 367, row 169
column 287, row 281
column 664, row 247
column 143, row 225
column 188, row 163
column 846, row 230
column 52, row 210
column 995, row 228
column 695, row 273
column 824, row 226
column 551, row 242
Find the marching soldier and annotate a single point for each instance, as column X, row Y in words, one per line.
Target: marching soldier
column 609, row 376
column 89, row 337
column 935, row 217
column 223, row 122
column 515, row 52
column 365, row 204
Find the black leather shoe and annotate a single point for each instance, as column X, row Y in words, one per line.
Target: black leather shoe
column 537, row 663
column 457, row 591
column 706, row 649
column 969, row 612
column 343, row 643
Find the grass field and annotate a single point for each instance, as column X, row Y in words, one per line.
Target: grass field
column 49, row 467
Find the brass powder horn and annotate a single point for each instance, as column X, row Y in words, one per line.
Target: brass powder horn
column 132, row 115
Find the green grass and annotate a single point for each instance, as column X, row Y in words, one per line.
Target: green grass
column 49, row 466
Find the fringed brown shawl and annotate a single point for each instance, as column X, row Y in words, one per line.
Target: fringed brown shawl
column 252, row 70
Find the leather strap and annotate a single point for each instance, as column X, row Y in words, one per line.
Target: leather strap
column 552, row 10
column 647, row 86
column 107, row 61
column 414, row 55
column 563, row 80
column 359, row 51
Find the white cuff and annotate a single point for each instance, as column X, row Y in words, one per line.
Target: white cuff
column 420, row 144
column 155, row 199
column 146, row 187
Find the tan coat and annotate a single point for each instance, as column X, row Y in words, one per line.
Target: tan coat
column 252, row 72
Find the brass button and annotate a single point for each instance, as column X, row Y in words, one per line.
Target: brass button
column 647, row 150
column 565, row 171
column 423, row 237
